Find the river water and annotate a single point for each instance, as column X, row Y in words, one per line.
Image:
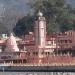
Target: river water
column 37, row 73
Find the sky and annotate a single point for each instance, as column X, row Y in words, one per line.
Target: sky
column 12, row 10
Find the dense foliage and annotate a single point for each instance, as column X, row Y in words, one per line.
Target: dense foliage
column 60, row 16
column 24, row 25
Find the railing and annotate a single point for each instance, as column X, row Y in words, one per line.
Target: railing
column 46, row 64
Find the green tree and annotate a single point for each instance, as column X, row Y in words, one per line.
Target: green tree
column 60, row 16
column 57, row 13
column 24, row 25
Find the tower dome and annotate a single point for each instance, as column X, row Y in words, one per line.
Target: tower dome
column 40, row 14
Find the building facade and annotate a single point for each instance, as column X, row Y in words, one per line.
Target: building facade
column 38, row 47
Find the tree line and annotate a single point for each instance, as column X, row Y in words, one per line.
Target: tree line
column 60, row 17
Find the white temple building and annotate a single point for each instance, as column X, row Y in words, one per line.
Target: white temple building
column 11, row 44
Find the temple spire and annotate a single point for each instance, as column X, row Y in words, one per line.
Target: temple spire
column 11, row 44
